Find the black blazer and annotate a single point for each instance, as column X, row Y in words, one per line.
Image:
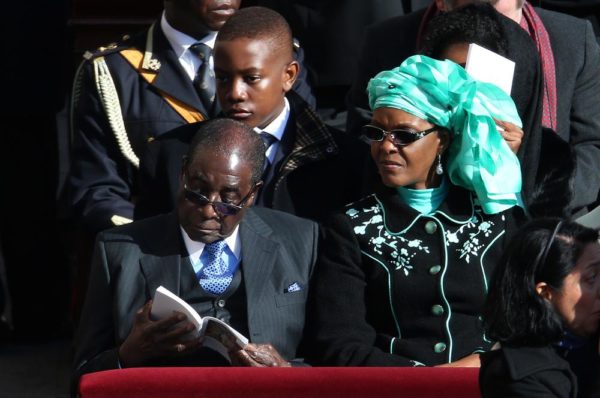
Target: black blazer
column 527, row 372
column 577, row 61
column 131, row 261
column 394, row 287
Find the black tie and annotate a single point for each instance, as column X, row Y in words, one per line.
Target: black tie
column 268, row 140
column 204, row 82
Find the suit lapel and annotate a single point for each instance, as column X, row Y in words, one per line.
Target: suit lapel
column 171, row 78
column 259, row 253
column 161, row 265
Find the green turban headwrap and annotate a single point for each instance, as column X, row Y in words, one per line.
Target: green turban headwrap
column 444, row 94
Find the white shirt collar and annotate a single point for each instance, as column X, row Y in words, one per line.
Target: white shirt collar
column 180, row 42
column 276, row 128
column 195, row 248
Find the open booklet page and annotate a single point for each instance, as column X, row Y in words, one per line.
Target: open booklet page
column 219, row 336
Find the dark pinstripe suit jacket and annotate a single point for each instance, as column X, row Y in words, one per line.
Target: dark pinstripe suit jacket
column 131, row 261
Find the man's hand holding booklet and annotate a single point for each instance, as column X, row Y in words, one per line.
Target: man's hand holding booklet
column 218, row 335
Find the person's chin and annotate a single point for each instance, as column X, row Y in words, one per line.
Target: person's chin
column 203, row 235
column 216, row 18
column 245, row 117
column 216, row 22
column 392, row 180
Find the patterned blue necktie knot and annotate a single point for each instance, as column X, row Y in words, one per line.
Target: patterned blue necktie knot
column 268, row 139
column 214, row 276
column 204, row 82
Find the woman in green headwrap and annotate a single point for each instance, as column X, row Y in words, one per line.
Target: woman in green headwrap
column 403, row 273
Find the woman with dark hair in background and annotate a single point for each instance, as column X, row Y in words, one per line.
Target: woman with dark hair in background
column 452, row 32
column 544, row 301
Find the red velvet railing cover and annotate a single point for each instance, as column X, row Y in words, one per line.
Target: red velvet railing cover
column 281, row 382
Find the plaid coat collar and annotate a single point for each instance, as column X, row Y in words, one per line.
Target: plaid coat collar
column 313, row 140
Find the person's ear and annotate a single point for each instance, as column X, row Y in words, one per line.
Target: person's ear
column 290, row 74
column 256, row 188
column 544, row 290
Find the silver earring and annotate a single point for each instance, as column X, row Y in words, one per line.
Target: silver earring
column 439, row 170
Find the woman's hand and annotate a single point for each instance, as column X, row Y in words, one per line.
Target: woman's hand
column 258, row 355
column 470, row 361
column 512, row 134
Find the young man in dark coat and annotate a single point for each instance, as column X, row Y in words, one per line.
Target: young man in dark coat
column 311, row 169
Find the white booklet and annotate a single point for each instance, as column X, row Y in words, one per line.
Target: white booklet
column 487, row 66
column 218, row 335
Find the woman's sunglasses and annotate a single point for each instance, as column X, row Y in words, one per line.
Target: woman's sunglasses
column 399, row 137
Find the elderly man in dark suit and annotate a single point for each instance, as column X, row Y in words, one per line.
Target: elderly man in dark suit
column 265, row 257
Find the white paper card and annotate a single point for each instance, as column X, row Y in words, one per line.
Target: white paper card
column 487, row 66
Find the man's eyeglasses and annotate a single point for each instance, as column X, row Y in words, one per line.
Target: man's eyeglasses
column 221, row 208
column 399, row 137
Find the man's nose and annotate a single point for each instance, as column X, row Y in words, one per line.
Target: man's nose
column 237, row 91
column 208, row 211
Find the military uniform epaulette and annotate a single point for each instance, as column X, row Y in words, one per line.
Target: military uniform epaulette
column 110, row 48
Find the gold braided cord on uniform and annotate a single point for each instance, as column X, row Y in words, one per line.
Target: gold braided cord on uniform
column 112, row 106
column 188, row 113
